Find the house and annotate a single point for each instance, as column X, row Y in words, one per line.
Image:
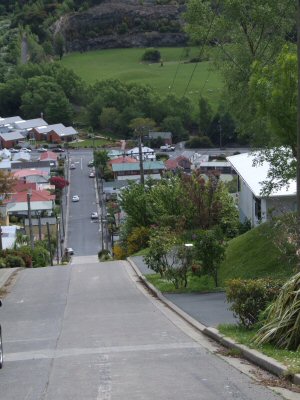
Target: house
column 43, row 166
column 124, row 171
column 49, row 156
column 21, row 157
column 10, row 139
column 148, row 154
column 29, row 124
column 32, row 175
column 165, row 136
column 253, row 204
column 121, row 160
column 179, row 163
column 40, row 200
column 5, row 165
column 114, row 153
column 41, row 132
column 62, row 134
column 9, row 121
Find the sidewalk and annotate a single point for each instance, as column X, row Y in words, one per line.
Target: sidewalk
column 206, row 311
column 5, row 275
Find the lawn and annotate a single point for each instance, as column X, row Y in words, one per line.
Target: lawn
column 175, row 76
column 244, row 336
column 254, row 255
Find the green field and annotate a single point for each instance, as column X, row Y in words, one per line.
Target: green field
column 175, row 76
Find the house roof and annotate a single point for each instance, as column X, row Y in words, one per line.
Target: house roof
column 30, row 123
column 5, row 164
column 22, row 156
column 171, row 164
column 114, row 153
column 163, row 135
column 123, row 159
column 253, row 176
column 10, row 120
column 148, row 165
column 22, row 186
column 135, row 150
column 64, row 130
column 48, row 155
column 36, row 195
column 48, row 128
column 30, row 164
column 29, row 172
column 14, row 135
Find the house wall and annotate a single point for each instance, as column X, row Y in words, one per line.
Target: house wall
column 38, row 136
column 53, row 137
column 135, row 177
column 246, row 206
column 7, row 144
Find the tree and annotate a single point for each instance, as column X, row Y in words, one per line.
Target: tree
column 109, row 118
column 244, row 32
column 174, row 125
column 59, row 45
column 100, row 160
column 59, row 182
column 210, row 249
column 205, row 115
column 7, row 184
column 152, row 55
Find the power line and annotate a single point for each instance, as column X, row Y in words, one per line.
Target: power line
column 202, row 48
column 176, row 71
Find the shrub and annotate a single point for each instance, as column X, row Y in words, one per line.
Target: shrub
column 282, row 326
column 199, row 142
column 151, row 55
column 14, row 262
column 40, row 257
column 2, row 263
column 250, row 297
column 24, row 252
column 119, row 252
column 104, row 255
column 138, row 239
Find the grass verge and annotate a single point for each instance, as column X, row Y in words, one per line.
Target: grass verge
column 195, row 284
column 291, row 359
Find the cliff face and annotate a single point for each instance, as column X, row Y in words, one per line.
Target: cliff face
column 122, row 23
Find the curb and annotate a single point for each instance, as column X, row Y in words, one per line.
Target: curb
column 267, row 363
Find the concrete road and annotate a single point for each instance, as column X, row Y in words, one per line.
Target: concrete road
column 83, row 233
column 89, row 331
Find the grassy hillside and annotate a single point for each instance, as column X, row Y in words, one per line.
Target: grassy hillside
column 253, row 255
column 125, row 64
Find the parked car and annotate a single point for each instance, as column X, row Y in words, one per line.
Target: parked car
column 75, row 198
column 69, row 251
column 25, row 150
column 72, row 166
column 94, row 215
column 58, row 150
column 167, row 147
column 91, row 163
column 92, row 175
column 12, row 150
column 42, row 149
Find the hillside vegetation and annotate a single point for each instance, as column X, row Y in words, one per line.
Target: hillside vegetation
column 254, row 255
column 173, row 77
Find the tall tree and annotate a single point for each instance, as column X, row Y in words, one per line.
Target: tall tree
column 205, row 115
column 244, row 31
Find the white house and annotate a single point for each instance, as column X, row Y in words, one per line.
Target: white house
column 253, row 205
column 148, row 153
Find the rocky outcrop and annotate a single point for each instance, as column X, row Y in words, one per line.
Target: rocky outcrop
column 123, row 23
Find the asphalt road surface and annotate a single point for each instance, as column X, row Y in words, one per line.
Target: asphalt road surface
column 88, row 331
column 83, row 233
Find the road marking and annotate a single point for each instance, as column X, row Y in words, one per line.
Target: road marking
column 104, row 389
column 75, row 352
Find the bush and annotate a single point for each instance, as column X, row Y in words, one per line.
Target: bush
column 14, row 262
column 119, row 252
column 40, row 257
column 282, row 323
column 199, row 142
column 151, row 55
column 24, row 252
column 250, row 297
column 138, row 239
column 104, row 255
column 2, row 263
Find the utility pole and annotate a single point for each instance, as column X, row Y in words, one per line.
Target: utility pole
column 49, row 243
column 40, row 225
column 29, row 194
column 57, row 239
column 1, row 246
column 220, row 133
column 141, row 157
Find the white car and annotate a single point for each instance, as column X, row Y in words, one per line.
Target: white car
column 69, row 251
column 92, row 175
column 25, row 150
column 72, row 166
column 14, row 150
column 75, row 198
column 42, row 150
column 94, row 215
